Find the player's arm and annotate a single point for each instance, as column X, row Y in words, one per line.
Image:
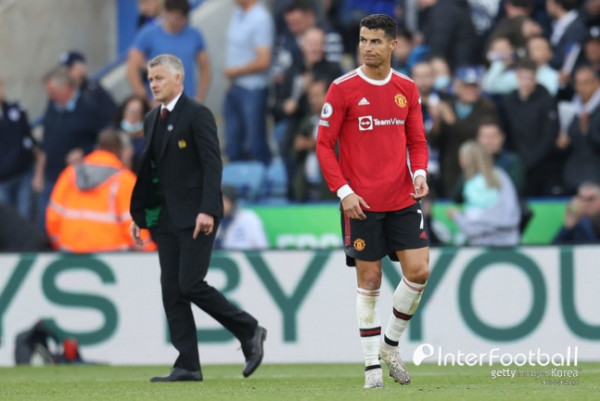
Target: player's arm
column 330, row 122
column 417, row 146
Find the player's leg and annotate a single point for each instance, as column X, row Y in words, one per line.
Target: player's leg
column 405, row 234
column 405, row 301
column 364, row 245
column 368, row 277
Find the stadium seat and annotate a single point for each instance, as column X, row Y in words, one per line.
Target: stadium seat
column 276, row 181
column 248, row 177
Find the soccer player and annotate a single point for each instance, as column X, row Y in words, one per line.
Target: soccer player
column 374, row 115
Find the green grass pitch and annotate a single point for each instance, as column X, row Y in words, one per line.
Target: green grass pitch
column 331, row 382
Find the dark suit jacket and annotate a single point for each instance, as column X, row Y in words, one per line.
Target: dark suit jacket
column 186, row 179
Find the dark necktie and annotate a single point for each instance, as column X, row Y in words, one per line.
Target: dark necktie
column 164, row 113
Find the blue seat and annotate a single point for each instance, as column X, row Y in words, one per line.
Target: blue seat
column 276, row 183
column 247, row 177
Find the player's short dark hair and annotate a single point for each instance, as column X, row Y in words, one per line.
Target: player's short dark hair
column 300, row 5
column 381, row 21
column 526, row 64
column 183, row 6
column 522, row 3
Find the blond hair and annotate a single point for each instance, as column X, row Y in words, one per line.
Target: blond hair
column 477, row 161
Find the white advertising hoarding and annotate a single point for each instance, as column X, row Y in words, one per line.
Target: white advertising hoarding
column 531, row 299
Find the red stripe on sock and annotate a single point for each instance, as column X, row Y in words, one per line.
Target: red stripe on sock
column 370, row 332
column 401, row 315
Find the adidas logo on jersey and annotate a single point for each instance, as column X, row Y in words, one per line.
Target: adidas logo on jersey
column 364, row 102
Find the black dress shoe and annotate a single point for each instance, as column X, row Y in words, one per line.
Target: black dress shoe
column 179, row 375
column 254, row 351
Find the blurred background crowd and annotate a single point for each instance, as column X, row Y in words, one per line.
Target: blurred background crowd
column 510, row 95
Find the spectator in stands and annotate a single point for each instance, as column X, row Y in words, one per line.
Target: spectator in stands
column 592, row 48
column 353, row 11
column 76, row 63
column 406, row 54
column 291, row 103
column 247, row 60
column 240, row 229
column 584, row 207
column 149, row 11
column 568, row 30
column 130, row 119
column 460, row 118
column 423, row 75
column 279, row 8
column 540, row 51
column 500, row 78
column 89, row 205
column 491, row 137
column 516, row 25
column 590, row 12
column 491, row 213
column 71, row 124
column 531, row 124
column 442, row 76
column 17, row 234
column 308, row 183
column 173, row 35
column 449, row 31
column 16, row 156
column 300, row 16
column 583, row 141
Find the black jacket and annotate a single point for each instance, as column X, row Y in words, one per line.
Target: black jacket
column 186, row 179
column 450, row 33
column 583, row 159
column 531, row 126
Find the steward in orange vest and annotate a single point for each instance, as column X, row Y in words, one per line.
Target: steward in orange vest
column 89, row 205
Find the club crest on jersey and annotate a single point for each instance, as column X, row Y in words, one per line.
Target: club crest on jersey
column 400, row 100
column 359, row 244
column 327, row 110
column 365, row 123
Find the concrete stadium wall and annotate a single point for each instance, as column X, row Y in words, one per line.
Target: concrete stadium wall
column 33, row 33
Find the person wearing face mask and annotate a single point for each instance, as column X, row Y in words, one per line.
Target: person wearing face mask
column 460, row 115
column 442, row 82
column 130, row 120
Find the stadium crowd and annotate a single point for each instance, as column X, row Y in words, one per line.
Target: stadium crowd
column 515, row 79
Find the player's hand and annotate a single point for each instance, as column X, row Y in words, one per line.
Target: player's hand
column 351, row 205
column 421, row 188
column 134, row 230
column 205, row 223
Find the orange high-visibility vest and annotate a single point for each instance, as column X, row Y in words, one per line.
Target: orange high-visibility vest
column 89, row 207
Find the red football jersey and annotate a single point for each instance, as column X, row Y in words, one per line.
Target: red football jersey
column 374, row 123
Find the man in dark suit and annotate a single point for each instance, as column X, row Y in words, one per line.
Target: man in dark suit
column 178, row 196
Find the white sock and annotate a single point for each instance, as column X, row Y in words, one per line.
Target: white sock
column 405, row 302
column 369, row 325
